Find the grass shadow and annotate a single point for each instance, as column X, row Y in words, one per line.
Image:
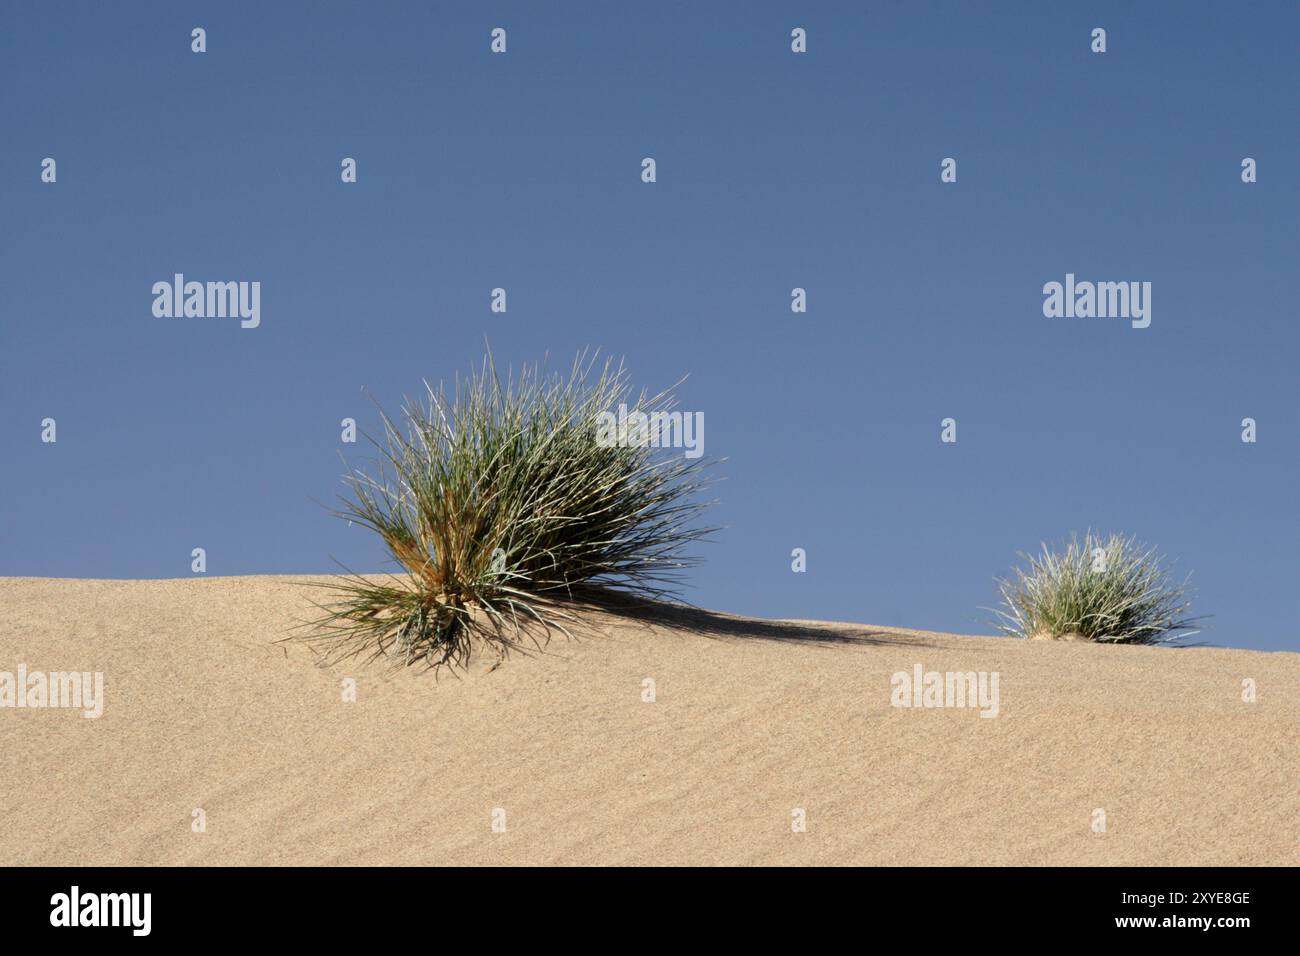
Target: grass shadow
column 686, row 617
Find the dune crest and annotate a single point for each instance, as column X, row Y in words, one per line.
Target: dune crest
column 667, row 736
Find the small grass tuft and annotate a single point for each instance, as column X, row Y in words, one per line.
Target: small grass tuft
column 499, row 505
column 1112, row 590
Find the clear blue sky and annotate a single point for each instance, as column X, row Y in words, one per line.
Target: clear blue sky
column 775, row 170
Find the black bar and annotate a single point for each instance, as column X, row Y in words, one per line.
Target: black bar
column 336, row 905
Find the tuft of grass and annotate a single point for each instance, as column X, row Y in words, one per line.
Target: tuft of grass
column 499, row 505
column 1112, row 590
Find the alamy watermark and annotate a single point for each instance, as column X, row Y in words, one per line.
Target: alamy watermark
column 208, row 300
column 922, row 688
column 1100, row 300
column 80, row 690
column 75, row 908
column 658, row 429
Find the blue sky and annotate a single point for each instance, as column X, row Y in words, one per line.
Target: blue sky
column 774, row 170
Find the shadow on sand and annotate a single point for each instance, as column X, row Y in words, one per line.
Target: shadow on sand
column 686, row 617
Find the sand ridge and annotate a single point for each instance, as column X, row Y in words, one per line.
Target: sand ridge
column 754, row 726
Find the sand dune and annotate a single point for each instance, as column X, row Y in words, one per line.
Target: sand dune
column 752, row 720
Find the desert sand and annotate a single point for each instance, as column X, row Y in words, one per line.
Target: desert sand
column 205, row 709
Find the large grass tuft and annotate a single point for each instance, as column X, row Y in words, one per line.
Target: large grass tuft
column 499, row 506
column 1111, row 590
